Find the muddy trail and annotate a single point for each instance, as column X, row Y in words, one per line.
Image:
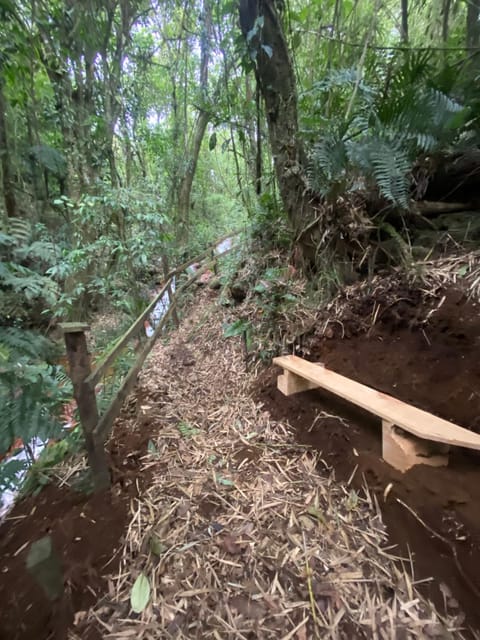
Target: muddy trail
column 237, row 520
column 87, row 532
column 426, row 353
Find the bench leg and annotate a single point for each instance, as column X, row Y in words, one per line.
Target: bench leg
column 289, row 383
column 403, row 450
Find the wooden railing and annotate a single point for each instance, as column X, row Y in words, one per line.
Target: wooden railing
column 97, row 428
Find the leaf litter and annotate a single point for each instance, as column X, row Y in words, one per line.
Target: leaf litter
column 242, row 532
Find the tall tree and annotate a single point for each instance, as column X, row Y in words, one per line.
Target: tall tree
column 7, row 177
column 473, row 23
column 404, row 30
column 201, row 121
column 262, row 28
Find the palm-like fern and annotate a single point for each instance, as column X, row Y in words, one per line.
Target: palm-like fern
column 389, row 127
column 30, row 390
column 30, row 393
column 21, row 283
column 328, row 164
column 390, row 167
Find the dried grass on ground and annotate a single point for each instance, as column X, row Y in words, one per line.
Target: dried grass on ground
column 242, row 532
column 424, row 285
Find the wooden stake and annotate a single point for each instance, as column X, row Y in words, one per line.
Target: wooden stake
column 168, row 279
column 214, row 260
column 403, row 450
column 289, row 383
column 79, row 362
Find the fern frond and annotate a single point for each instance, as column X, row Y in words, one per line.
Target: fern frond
column 338, row 78
column 328, row 163
column 49, row 158
column 28, row 283
column 391, row 166
column 21, row 343
column 20, row 230
column 39, row 250
column 25, row 415
column 10, row 470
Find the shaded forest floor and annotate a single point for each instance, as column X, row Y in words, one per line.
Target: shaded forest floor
column 259, row 516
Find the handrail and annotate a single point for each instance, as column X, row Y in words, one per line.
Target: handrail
column 204, row 254
column 106, row 421
column 96, row 428
column 108, row 358
column 104, row 424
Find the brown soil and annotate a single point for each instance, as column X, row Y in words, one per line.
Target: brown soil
column 87, row 532
column 435, row 366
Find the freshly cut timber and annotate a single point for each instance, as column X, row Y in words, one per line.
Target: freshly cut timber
column 401, row 450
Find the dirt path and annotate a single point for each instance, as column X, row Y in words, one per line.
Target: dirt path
column 241, row 531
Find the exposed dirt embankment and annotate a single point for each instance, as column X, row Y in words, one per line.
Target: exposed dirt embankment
column 87, row 531
column 425, row 353
column 425, row 350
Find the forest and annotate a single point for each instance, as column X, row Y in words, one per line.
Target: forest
column 334, row 146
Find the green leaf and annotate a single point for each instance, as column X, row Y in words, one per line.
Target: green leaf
column 151, row 448
column 261, row 287
column 225, row 481
column 140, row 593
column 187, row 430
column 235, row 329
column 296, row 40
column 229, row 7
column 7, row 6
column 156, row 546
column 212, row 143
column 316, row 513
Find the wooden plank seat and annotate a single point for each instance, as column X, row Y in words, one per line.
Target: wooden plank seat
column 410, row 436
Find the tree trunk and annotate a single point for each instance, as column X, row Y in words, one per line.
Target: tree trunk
column 404, row 31
column 445, row 19
column 473, row 25
column 186, row 183
column 278, row 87
column 7, row 182
column 258, row 155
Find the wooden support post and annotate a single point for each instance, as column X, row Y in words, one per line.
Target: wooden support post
column 176, row 321
column 215, row 264
column 403, row 450
column 289, row 383
column 79, row 362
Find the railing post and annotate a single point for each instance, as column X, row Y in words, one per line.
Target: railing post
column 215, row 264
column 79, row 363
column 169, row 291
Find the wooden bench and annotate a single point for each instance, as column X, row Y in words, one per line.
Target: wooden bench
column 408, row 433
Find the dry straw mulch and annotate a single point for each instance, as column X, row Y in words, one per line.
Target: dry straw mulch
column 425, row 283
column 243, row 533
